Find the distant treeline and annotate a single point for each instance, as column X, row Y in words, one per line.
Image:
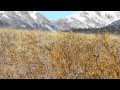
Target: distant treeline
column 95, row 30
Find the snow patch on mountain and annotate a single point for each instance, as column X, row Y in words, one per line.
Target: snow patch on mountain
column 32, row 14
column 50, row 28
column 87, row 19
column 25, row 20
column 1, row 11
column 5, row 16
column 18, row 13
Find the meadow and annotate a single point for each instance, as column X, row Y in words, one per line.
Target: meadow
column 30, row 54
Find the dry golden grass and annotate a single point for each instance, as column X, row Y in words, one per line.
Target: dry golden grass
column 28, row 54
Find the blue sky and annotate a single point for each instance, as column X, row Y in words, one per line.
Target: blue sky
column 53, row 15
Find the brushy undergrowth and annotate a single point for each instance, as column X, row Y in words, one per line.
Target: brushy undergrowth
column 28, row 54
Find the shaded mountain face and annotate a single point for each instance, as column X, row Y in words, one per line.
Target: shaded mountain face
column 87, row 19
column 114, row 25
column 25, row 20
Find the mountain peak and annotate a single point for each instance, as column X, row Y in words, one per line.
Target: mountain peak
column 25, row 20
column 88, row 19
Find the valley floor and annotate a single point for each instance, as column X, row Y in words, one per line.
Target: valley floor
column 26, row 54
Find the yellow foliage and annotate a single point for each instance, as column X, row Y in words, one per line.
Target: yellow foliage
column 58, row 55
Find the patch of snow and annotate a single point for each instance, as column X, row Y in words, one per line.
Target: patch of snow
column 82, row 19
column 69, row 19
column 50, row 28
column 92, row 24
column 22, row 18
column 33, row 15
column 35, row 12
column 1, row 11
column 18, row 13
column 5, row 16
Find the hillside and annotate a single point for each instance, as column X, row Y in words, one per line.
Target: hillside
column 115, row 25
column 25, row 20
column 33, row 54
column 87, row 19
column 33, row 20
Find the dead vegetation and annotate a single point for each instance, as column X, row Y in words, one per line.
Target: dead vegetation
column 28, row 54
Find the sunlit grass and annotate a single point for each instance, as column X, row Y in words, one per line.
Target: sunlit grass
column 37, row 54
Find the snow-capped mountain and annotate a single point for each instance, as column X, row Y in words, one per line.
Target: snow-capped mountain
column 87, row 19
column 80, row 19
column 25, row 20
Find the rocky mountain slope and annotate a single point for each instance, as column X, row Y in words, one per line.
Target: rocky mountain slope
column 25, row 20
column 81, row 19
column 87, row 19
column 114, row 25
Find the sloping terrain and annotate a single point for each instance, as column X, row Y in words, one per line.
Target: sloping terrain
column 25, row 20
column 87, row 19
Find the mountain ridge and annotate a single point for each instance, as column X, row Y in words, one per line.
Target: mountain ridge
column 87, row 19
column 81, row 19
column 25, row 20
